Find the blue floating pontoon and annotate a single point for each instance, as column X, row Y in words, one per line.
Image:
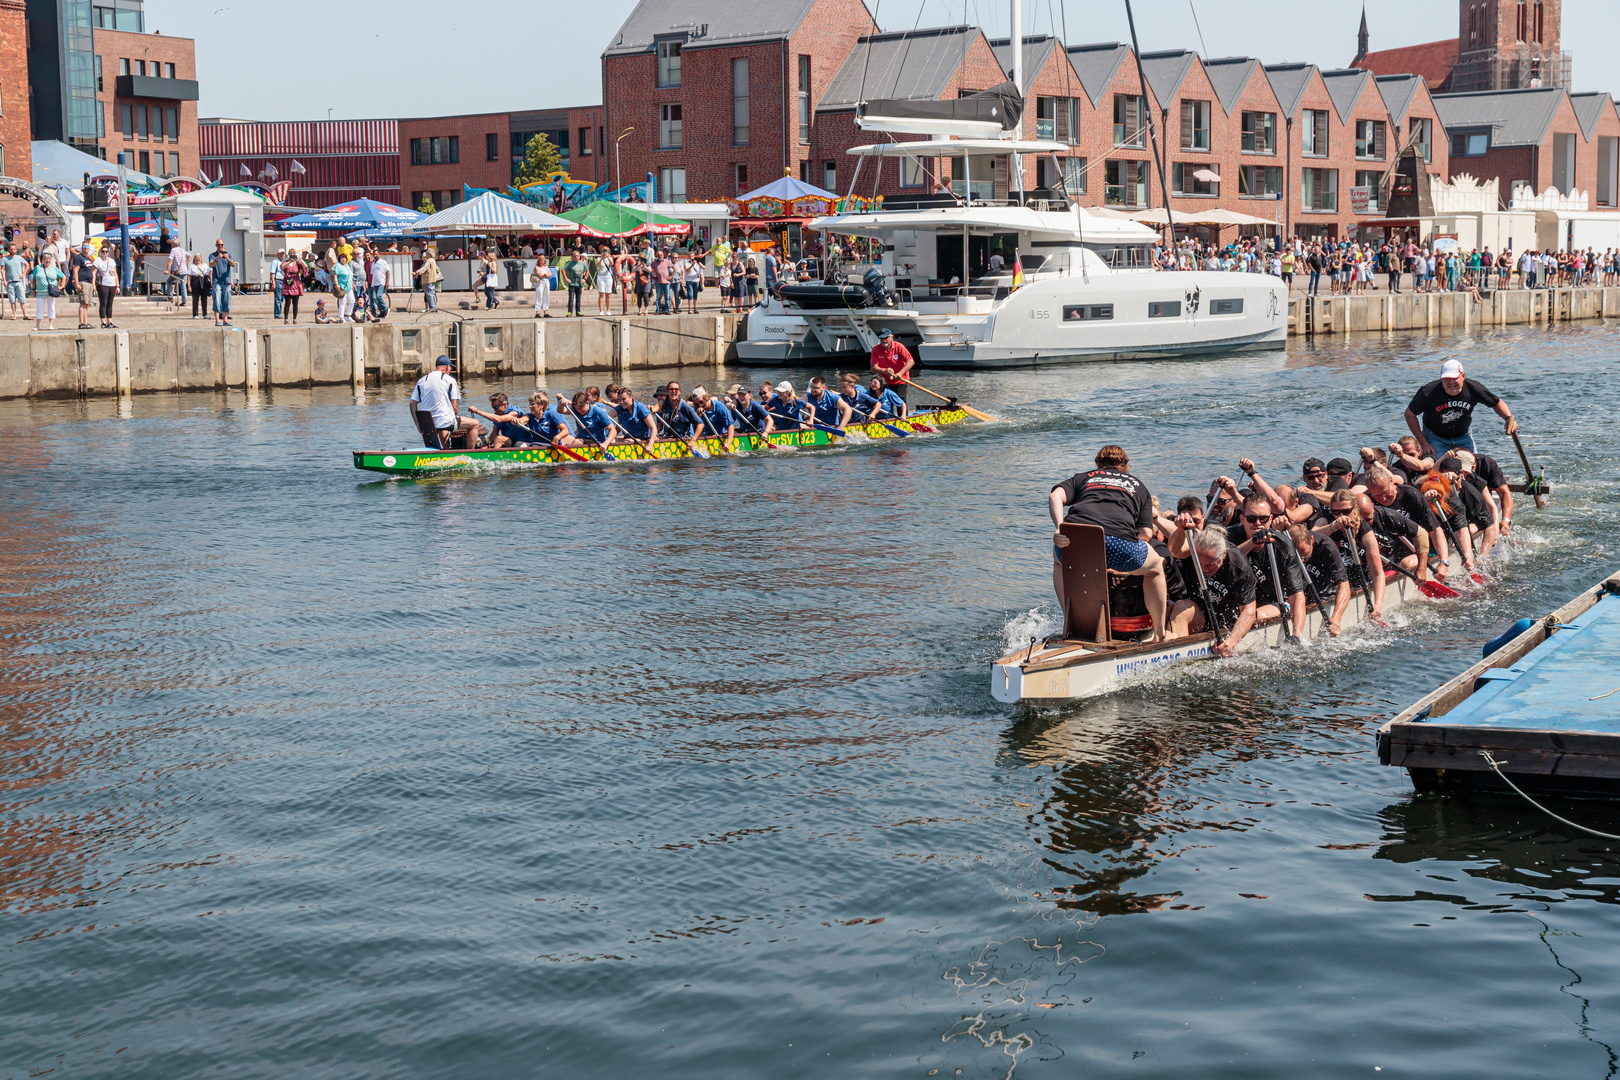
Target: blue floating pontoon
column 1545, row 707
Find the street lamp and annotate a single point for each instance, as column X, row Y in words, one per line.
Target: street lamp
column 617, row 171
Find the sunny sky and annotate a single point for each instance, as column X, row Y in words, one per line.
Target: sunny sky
column 296, row 59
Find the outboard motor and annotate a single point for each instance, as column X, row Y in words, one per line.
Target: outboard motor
column 873, row 280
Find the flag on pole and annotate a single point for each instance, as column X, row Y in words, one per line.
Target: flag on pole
column 1018, row 273
column 296, row 169
column 271, row 171
column 203, row 176
column 247, row 172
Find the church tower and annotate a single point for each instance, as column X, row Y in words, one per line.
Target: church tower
column 1361, row 39
column 1509, row 45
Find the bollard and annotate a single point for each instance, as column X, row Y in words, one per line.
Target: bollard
column 121, row 361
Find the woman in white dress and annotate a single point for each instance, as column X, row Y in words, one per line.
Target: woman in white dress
column 542, row 286
column 604, row 283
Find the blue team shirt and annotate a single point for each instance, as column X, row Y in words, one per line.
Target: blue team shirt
column 549, row 425
column 634, row 420
column 890, row 403
column 862, row 402
column 788, row 415
column 826, row 410
column 717, row 418
column 515, row 429
column 752, row 418
column 682, row 419
column 597, row 421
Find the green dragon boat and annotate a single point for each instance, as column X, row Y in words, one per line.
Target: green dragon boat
column 423, row 461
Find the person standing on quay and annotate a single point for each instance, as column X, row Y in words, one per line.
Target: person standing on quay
column 275, row 283
column 574, row 278
column 179, row 266
column 343, row 285
column 292, row 287
column 428, row 274
column 82, row 279
column 540, row 278
column 223, row 264
column 380, row 273
column 106, row 287
column 48, row 279
column 15, row 270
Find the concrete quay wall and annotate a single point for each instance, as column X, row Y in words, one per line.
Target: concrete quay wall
column 1448, row 312
column 102, row 362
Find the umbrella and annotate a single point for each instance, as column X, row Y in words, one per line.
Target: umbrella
column 352, row 217
column 489, row 214
column 142, row 230
column 602, row 219
column 787, row 189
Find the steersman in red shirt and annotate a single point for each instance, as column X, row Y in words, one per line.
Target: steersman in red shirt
column 894, row 362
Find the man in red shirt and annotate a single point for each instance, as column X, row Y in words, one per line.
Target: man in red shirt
column 894, row 362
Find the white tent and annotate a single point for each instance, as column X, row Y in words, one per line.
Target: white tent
column 488, row 215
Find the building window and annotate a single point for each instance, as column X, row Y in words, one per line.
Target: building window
column 1126, row 183
column 1184, row 179
column 1259, row 133
column 1524, row 9
column 741, row 178
column 140, row 123
column 804, row 101
column 914, row 172
column 174, row 164
column 168, row 71
column 436, row 151
column 1128, row 128
column 157, row 123
column 1164, row 309
column 1046, row 118
column 101, row 120
column 1424, row 130
column 146, row 162
column 1540, row 24
column 669, row 127
column 584, row 142
column 140, row 68
column 1260, row 181
column 672, row 185
column 126, row 121
column 100, row 86
column 804, row 171
column 739, row 103
column 174, row 125
column 1074, row 175
column 123, row 65
column 1370, row 139
column 829, row 176
column 1319, row 189
column 1074, row 121
column 1195, row 125
column 1470, row 143
column 492, row 147
column 1372, row 180
column 669, row 63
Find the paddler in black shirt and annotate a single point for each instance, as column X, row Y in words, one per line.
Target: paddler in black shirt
column 1483, row 470
column 1111, row 498
column 1440, row 413
column 1326, row 570
column 1352, row 535
column 1407, row 500
column 1231, row 584
column 1251, row 536
column 1477, row 512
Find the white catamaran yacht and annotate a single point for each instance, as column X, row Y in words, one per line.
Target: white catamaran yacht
column 1089, row 292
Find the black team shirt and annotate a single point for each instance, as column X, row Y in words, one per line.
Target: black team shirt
column 1231, row 588
column 1448, row 415
column 1326, row 570
column 1116, row 501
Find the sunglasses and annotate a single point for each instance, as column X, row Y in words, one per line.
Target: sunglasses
column 1256, row 519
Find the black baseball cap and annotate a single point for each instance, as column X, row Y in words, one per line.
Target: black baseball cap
column 1449, row 464
column 1339, row 467
column 1311, row 465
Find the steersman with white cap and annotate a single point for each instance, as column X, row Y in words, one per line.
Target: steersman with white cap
column 1442, row 411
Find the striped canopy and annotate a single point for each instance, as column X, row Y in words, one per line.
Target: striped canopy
column 489, row 214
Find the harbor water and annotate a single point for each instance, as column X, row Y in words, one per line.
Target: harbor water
column 691, row 769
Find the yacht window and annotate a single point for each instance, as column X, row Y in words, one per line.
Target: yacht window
column 1087, row 312
column 1226, row 307
column 1031, row 263
column 1164, row 309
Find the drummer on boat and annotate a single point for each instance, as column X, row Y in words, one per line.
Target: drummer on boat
column 1120, row 504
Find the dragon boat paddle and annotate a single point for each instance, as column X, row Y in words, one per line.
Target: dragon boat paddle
column 1434, row 590
column 812, row 423
column 1210, row 614
column 1284, row 608
column 1362, row 575
column 759, row 431
column 1534, row 486
column 970, row 410
column 554, row 445
column 607, row 455
column 691, row 444
column 1436, row 509
column 646, row 446
column 1316, row 594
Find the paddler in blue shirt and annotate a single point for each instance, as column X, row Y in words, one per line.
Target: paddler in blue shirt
column 787, row 408
column 717, row 419
column 634, row 418
column 548, row 425
column 861, row 403
column 890, row 403
column 751, row 416
column 678, row 420
column 828, row 409
column 594, row 420
column 509, row 422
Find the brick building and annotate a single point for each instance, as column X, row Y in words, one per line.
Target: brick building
column 341, row 159
column 146, row 88
column 721, row 96
column 15, row 126
column 1500, row 45
column 1542, row 137
column 441, row 154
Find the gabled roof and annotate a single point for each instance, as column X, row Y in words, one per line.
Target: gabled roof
column 1345, row 88
column 1289, row 82
column 1398, row 92
column 1515, row 117
column 1166, row 71
column 1432, row 60
column 914, row 65
column 1230, row 77
column 1036, row 51
column 708, row 22
column 1097, row 65
column 1589, row 110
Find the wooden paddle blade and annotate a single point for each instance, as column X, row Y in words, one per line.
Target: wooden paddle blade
column 975, row 413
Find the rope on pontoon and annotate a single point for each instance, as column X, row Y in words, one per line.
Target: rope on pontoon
column 1489, row 760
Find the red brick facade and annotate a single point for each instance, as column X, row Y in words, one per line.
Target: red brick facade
column 171, row 152
column 15, row 127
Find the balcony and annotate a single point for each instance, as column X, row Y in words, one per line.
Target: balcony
column 145, row 86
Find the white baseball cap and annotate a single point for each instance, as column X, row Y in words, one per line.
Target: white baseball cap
column 784, row 387
column 1451, row 369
